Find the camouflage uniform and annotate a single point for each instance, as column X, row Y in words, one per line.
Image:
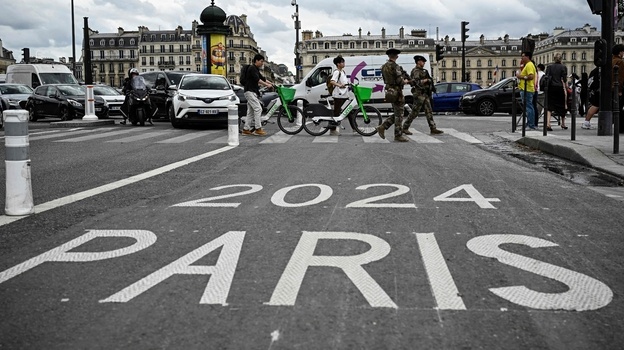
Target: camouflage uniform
column 393, row 78
column 422, row 97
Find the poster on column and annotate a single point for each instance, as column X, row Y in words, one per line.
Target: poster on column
column 217, row 54
column 204, row 55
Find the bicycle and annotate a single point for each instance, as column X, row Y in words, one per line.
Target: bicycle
column 363, row 119
column 289, row 117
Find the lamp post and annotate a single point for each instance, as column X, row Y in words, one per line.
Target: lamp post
column 297, row 27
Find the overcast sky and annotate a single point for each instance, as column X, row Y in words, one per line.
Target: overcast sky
column 45, row 26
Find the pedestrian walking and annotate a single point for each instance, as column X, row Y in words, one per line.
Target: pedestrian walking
column 557, row 92
column 527, row 87
column 253, row 79
column 394, row 80
column 340, row 93
column 422, row 88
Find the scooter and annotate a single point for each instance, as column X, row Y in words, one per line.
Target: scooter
column 139, row 104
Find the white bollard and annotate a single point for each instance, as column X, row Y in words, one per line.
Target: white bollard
column 19, row 198
column 233, row 125
column 299, row 116
column 90, row 105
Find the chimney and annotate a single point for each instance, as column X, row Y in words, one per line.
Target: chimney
column 482, row 39
column 506, row 38
column 383, row 33
column 244, row 18
column 402, row 33
column 360, row 33
column 120, row 31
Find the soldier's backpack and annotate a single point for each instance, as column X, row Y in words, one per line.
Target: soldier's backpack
column 330, row 86
column 593, row 84
column 243, row 74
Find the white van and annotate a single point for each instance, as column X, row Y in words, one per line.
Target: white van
column 34, row 75
column 363, row 70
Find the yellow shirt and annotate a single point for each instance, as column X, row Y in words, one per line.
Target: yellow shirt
column 529, row 68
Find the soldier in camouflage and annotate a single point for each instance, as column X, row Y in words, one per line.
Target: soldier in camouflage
column 422, row 88
column 394, row 80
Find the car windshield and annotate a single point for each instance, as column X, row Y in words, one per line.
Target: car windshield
column 175, row 77
column 105, row 91
column 500, row 84
column 58, row 78
column 71, row 90
column 200, row 82
column 138, row 83
column 15, row 89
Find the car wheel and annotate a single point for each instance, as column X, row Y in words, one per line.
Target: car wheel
column 32, row 116
column 176, row 123
column 64, row 114
column 170, row 112
column 485, row 107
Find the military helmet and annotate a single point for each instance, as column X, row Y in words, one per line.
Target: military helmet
column 393, row 52
column 419, row 58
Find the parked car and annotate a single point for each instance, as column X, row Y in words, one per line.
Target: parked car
column 446, row 99
column 65, row 101
column 112, row 97
column 266, row 97
column 14, row 93
column 497, row 98
column 164, row 86
column 202, row 99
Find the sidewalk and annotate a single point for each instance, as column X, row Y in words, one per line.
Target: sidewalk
column 588, row 149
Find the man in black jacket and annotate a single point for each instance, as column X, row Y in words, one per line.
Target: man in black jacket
column 253, row 79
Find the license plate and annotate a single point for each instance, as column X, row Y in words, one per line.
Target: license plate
column 208, row 111
column 115, row 108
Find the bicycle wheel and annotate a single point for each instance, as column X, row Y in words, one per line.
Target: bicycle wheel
column 288, row 126
column 315, row 128
column 363, row 127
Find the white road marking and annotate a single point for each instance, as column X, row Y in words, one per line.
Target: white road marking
column 278, row 137
column 188, row 137
column 70, row 133
column 462, row 136
column 4, row 219
column 99, row 136
column 422, row 137
column 142, row 136
column 325, row 139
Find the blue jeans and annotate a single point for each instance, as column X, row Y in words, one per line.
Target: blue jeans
column 530, row 111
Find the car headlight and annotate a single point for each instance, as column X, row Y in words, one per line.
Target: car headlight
column 74, row 103
column 468, row 97
column 231, row 97
column 182, row 97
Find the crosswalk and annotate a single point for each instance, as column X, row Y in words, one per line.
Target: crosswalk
column 112, row 135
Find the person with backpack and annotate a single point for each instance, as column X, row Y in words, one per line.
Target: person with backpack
column 557, row 75
column 251, row 79
column 337, row 87
column 593, row 96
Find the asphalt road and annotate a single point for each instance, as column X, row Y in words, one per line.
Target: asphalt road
column 160, row 238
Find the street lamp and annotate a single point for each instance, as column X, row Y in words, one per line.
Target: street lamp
column 297, row 27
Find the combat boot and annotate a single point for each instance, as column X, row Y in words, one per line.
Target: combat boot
column 407, row 132
column 435, row 131
column 401, row 138
column 382, row 131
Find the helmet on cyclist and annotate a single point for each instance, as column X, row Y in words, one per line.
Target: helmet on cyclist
column 133, row 71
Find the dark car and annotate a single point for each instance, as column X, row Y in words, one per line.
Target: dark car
column 14, row 93
column 266, row 97
column 65, row 101
column 497, row 98
column 164, row 85
column 446, row 99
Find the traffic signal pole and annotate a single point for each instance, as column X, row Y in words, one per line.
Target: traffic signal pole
column 605, row 116
column 464, row 36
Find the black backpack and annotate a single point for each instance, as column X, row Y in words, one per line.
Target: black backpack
column 593, row 83
column 243, row 74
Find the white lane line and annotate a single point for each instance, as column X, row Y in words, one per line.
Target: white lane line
column 420, row 137
column 64, row 134
column 375, row 139
column 325, row 139
column 462, row 136
column 4, row 219
column 99, row 136
column 143, row 136
column 222, row 139
column 188, row 137
column 278, row 137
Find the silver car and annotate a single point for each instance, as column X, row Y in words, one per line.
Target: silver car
column 113, row 98
column 14, row 93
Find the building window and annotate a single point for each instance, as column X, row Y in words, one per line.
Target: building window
column 121, row 67
column 454, row 76
column 573, row 56
column 314, row 59
column 489, row 63
column 365, row 45
column 91, row 42
column 151, row 48
column 326, row 46
column 503, row 48
column 181, row 48
column 478, row 75
column 454, row 64
column 171, row 49
column 563, row 56
column 101, row 54
column 352, row 45
column 132, row 41
column 339, row 45
column 102, row 42
column 121, row 54
column 467, row 63
column 180, row 60
column 111, row 42
column 121, row 42
column 410, row 43
column 514, row 48
column 143, row 61
column 313, row 46
column 583, row 56
column 421, row 42
column 503, row 75
column 504, row 62
column 153, row 37
column 583, row 69
column 454, row 49
column 151, row 61
column 162, row 48
column 514, row 63
column 489, row 75
column 163, row 37
column 478, row 63
column 443, row 75
column 573, row 40
column 377, row 45
column 111, row 68
column 171, row 37
column 390, row 44
column 584, row 40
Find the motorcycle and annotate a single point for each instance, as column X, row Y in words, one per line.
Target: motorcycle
column 138, row 105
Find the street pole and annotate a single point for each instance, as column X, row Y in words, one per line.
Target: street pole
column 605, row 116
column 297, row 27
column 73, row 41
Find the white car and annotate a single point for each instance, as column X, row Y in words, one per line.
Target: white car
column 113, row 98
column 202, row 99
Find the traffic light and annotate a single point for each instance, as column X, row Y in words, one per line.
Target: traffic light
column 26, row 52
column 439, row 52
column 595, row 6
column 600, row 52
column 468, row 76
column 465, row 30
